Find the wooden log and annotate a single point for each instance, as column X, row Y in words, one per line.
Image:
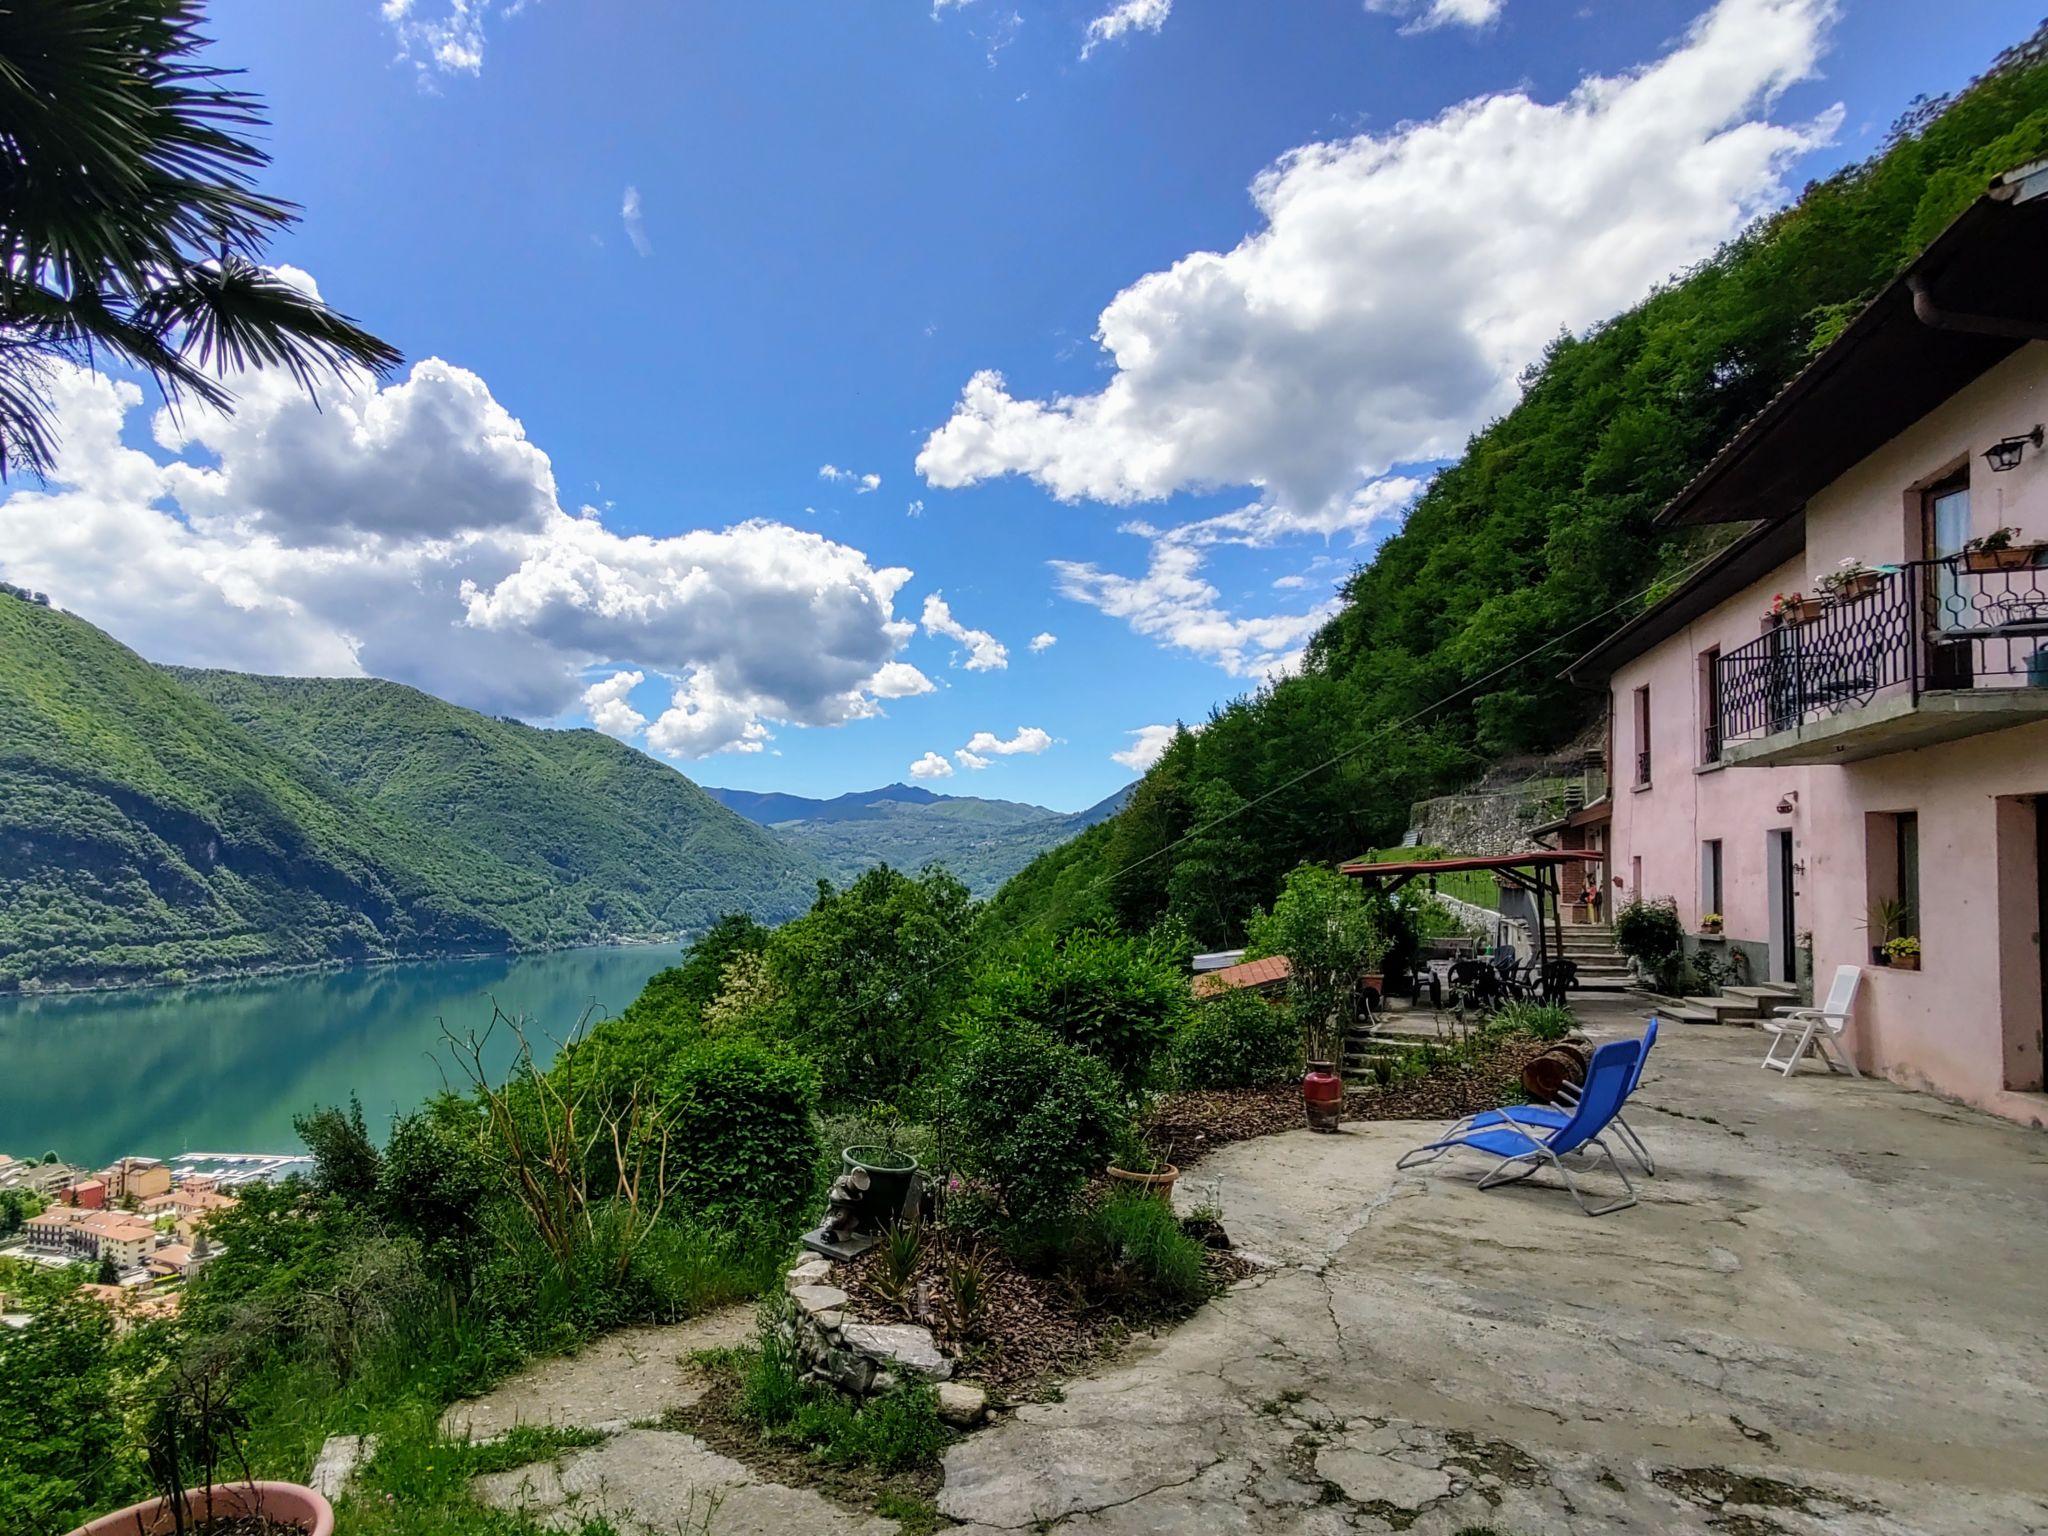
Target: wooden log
column 1563, row 1063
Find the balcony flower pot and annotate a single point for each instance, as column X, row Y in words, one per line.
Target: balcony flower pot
column 1159, row 1183
column 1858, row 585
column 2007, row 557
column 286, row 1506
column 1905, row 962
column 1804, row 610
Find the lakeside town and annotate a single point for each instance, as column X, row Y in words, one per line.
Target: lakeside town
column 133, row 1232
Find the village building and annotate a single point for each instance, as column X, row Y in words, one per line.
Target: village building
column 1835, row 731
column 131, row 1180
column 91, row 1236
column 190, row 1208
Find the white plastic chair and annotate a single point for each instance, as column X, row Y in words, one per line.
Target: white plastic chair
column 1816, row 1029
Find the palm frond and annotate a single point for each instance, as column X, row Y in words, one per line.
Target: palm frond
column 231, row 315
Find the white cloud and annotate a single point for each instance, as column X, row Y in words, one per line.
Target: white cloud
column 1129, row 16
column 1029, row 741
column 861, row 483
column 915, row 509
column 1289, row 583
column 869, row 483
column 931, row 766
column 1402, row 281
column 1176, row 605
column 606, row 704
column 445, row 37
column 1431, row 14
column 413, row 532
column 985, row 653
column 1148, row 745
column 636, row 224
column 1044, row 641
column 899, row 680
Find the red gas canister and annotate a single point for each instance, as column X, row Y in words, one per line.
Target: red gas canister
column 1322, row 1094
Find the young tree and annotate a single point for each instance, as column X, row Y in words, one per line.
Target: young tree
column 1324, row 926
column 130, row 226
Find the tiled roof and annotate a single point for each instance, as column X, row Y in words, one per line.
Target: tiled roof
column 1270, row 971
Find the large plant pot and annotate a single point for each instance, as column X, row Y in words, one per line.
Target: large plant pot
column 2014, row 557
column 285, row 1504
column 1160, row 1183
column 889, row 1175
column 1322, row 1096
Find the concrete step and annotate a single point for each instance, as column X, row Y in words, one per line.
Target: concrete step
column 1603, row 983
column 1728, row 1010
column 1675, row 1010
column 1770, row 994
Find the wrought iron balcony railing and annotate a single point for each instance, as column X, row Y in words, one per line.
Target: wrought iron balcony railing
column 1923, row 626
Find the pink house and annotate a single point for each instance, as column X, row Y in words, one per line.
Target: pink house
column 1889, row 742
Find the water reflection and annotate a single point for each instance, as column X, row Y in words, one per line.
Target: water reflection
column 226, row 1066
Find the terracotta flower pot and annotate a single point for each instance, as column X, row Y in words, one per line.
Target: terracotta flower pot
column 1160, row 1183
column 1805, row 611
column 1905, row 962
column 283, row 1504
column 2014, row 557
column 1854, row 589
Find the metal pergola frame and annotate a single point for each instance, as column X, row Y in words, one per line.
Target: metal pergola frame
column 1536, row 870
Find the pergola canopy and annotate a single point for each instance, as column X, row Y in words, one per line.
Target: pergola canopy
column 1535, row 870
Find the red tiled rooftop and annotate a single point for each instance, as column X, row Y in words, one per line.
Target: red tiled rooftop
column 1249, row 973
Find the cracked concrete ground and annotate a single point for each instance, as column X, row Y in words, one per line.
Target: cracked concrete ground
column 1829, row 1314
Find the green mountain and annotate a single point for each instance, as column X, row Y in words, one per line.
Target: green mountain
column 983, row 842
column 1448, row 650
column 157, row 823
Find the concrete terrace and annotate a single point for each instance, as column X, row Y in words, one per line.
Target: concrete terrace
column 1829, row 1313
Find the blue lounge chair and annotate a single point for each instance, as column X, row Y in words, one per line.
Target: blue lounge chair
column 1523, row 1145
column 1554, row 1116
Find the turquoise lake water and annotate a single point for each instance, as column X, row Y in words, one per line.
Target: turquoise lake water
column 224, row 1067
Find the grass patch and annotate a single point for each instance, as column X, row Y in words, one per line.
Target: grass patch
column 417, row 1484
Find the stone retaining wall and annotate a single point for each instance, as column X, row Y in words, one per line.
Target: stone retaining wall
column 867, row 1359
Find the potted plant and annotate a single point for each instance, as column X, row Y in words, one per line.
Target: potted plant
column 1904, row 952
column 1887, row 922
column 1792, row 608
column 1710, row 924
column 1850, row 581
column 1999, row 550
column 192, row 1430
column 1134, row 1165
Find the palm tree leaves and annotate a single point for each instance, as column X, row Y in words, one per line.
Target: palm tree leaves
column 129, row 219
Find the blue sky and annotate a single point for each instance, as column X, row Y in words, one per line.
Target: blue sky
column 846, row 212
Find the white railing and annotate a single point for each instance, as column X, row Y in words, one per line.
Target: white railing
column 1499, row 930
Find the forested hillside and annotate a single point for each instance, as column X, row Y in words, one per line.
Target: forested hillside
column 157, row 825
column 982, row 842
column 606, row 840
column 1543, row 525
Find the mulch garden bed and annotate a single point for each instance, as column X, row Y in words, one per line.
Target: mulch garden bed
column 1032, row 1327
column 1182, row 1127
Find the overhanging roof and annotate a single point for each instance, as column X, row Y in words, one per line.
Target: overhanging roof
column 1749, row 559
column 1528, row 859
column 1912, row 347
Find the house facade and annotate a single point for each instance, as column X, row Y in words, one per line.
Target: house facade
column 1872, row 763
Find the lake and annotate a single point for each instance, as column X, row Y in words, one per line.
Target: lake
column 223, row 1067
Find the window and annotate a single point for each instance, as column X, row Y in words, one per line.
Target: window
column 1891, row 854
column 1710, row 709
column 1710, row 876
column 1643, row 734
column 1906, row 860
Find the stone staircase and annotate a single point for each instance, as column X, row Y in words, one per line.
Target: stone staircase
column 1602, row 967
column 1735, row 1005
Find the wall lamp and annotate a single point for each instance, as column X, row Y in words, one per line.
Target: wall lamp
column 1785, row 805
column 2007, row 452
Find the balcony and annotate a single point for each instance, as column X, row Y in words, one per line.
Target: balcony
column 1932, row 653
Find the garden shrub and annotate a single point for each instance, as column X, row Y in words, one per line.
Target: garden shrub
column 1125, row 1251
column 1119, row 999
column 895, row 1431
column 1546, row 1021
column 740, row 1125
column 1648, row 931
column 1035, row 1117
column 1237, row 1040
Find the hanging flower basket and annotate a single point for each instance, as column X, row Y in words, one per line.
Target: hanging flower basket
column 2009, row 557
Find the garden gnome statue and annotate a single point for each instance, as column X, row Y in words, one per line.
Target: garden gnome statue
column 840, row 1235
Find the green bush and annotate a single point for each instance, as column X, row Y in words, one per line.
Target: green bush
column 1116, row 998
column 1546, row 1021
column 1237, row 1040
column 1035, row 1117
column 1125, row 1252
column 740, row 1129
column 896, row 1431
column 1648, row 931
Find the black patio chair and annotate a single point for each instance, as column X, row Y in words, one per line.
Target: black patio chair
column 1559, row 977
